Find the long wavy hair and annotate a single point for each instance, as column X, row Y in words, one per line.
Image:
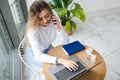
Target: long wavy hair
column 36, row 7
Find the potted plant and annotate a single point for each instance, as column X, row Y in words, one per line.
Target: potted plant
column 67, row 12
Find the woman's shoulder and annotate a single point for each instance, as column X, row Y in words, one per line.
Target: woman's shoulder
column 33, row 30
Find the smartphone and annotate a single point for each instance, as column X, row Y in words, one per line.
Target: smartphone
column 53, row 20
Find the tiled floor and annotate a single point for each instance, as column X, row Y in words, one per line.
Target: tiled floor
column 101, row 31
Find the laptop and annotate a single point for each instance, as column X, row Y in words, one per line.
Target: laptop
column 59, row 72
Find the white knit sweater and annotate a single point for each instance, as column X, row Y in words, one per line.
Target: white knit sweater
column 42, row 37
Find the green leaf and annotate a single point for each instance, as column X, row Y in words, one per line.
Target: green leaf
column 68, row 13
column 77, row 6
column 73, row 24
column 61, row 11
column 58, row 3
column 67, row 2
column 68, row 26
column 63, row 19
column 62, row 4
column 52, row 5
column 79, row 14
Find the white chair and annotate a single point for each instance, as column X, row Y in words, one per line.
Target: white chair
column 35, row 71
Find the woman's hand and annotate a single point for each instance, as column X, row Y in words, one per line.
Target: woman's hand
column 56, row 22
column 69, row 64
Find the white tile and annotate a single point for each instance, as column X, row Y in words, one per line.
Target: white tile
column 113, row 60
column 111, row 74
column 98, row 45
column 106, row 41
column 111, row 38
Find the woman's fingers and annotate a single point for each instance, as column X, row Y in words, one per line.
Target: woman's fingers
column 69, row 68
column 69, row 64
column 72, row 66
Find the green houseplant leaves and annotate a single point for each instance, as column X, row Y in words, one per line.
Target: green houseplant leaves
column 66, row 14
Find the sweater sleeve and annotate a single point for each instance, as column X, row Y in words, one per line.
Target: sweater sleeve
column 61, row 35
column 36, row 47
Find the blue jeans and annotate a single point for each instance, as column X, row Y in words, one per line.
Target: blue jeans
column 31, row 58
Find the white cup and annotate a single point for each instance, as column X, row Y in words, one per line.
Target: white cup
column 91, row 57
column 89, row 51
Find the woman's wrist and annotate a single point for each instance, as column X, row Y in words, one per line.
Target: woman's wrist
column 58, row 28
column 60, row 60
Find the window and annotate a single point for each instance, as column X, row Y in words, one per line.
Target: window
column 18, row 16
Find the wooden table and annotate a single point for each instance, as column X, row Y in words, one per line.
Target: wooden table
column 96, row 73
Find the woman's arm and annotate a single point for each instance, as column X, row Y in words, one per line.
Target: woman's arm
column 61, row 34
column 35, row 44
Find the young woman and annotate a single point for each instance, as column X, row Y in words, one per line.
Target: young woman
column 43, row 27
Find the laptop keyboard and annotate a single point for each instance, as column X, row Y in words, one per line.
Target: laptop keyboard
column 65, row 73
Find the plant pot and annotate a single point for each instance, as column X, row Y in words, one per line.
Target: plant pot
column 68, row 32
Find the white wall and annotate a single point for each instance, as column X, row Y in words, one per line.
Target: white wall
column 92, row 5
column 96, row 5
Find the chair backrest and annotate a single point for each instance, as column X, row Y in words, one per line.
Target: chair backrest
column 21, row 52
column 36, row 70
